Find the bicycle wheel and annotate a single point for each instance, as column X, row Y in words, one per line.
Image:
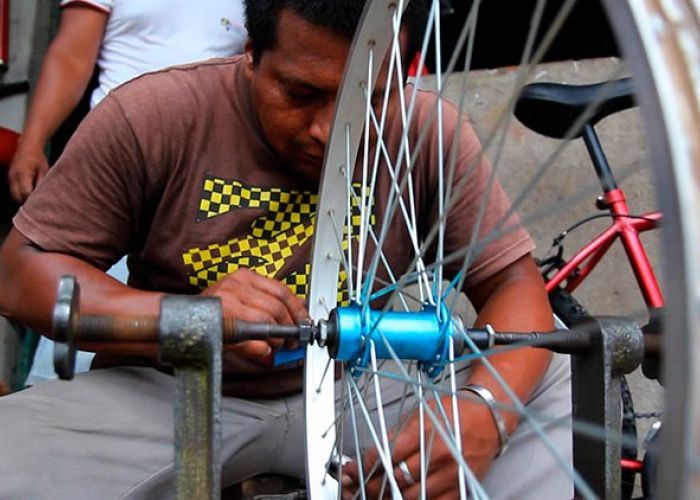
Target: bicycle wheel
column 660, row 42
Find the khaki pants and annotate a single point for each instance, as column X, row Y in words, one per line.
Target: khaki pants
column 109, row 434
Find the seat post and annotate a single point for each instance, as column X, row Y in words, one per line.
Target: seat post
column 600, row 162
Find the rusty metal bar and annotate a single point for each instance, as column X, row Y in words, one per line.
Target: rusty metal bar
column 191, row 342
column 617, row 347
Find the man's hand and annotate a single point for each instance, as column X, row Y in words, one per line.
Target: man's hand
column 249, row 296
column 480, row 442
column 514, row 299
column 26, row 170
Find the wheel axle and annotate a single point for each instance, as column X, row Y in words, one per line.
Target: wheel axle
column 419, row 335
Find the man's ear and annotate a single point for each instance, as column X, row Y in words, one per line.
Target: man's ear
column 249, row 65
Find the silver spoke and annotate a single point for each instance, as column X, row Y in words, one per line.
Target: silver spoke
column 437, row 279
column 348, row 218
column 382, row 422
column 421, row 430
column 409, row 219
column 358, row 449
column 347, row 267
column 381, row 451
column 455, row 417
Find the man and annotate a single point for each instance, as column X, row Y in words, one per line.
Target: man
column 145, row 175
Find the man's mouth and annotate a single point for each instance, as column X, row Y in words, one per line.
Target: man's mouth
column 311, row 159
column 314, row 157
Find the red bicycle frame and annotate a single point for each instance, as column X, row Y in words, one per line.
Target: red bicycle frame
column 628, row 228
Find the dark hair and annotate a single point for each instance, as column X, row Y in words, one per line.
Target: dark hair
column 339, row 16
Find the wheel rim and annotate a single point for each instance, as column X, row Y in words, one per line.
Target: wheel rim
column 663, row 54
column 330, row 258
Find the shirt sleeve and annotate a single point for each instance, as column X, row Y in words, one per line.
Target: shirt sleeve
column 89, row 203
column 103, row 5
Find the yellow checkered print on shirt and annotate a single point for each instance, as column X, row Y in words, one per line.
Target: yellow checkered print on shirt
column 272, row 238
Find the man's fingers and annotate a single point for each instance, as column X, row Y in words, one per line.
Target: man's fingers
column 249, row 296
column 291, row 344
column 407, row 472
column 272, row 307
column 439, row 484
column 266, row 294
column 373, row 473
column 15, row 193
column 406, row 468
column 407, row 442
column 258, row 350
column 24, row 174
column 441, row 480
column 21, row 186
column 294, row 306
column 258, row 309
column 252, row 297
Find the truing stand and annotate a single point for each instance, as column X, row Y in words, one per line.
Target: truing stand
column 191, row 333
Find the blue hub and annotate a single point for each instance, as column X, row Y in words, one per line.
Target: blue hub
column 421, row 336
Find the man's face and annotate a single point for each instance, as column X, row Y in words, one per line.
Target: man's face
column 294, row 87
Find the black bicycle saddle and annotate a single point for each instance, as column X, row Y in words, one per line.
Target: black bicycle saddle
column 551, row 109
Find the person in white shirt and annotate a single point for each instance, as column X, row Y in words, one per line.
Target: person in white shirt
column 124, row 38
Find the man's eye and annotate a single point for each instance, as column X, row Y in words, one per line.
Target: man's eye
column 300, row 96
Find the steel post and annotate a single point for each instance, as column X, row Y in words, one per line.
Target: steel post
column 616, row 348
column 191, row 342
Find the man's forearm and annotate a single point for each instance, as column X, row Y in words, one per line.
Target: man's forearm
column 517, row 304
column 66, row 71
column 30, row 276
column 521, row 371
column 59, row 89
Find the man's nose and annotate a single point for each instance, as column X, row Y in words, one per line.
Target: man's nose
column 321, row 122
